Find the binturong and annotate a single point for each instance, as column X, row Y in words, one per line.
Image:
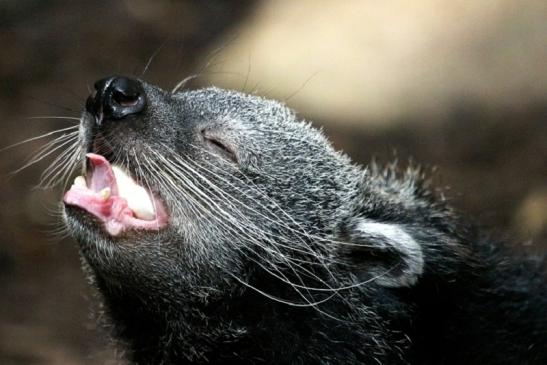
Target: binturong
column 218, row 228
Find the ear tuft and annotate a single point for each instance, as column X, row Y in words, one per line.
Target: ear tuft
column 383, row 252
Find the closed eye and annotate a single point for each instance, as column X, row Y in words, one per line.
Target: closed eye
column 218, row 146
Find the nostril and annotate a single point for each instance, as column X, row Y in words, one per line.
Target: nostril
column 125, row 100
column 124, row 97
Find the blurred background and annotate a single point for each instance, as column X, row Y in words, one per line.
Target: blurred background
column 457, row 86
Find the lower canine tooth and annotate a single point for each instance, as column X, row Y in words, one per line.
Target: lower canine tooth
column 105, row 193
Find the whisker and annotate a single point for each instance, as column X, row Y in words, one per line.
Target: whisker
column 54, row 117
column 38, row 137
column 40, row 157
column 288, row 261
column 298, row 232
column 62, row 167
column 183, row 83
column 151, row 58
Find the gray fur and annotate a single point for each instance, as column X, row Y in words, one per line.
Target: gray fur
column 324, row 249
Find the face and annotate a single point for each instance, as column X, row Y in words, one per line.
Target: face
column 200, row 190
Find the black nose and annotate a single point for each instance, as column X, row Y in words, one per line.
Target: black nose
column 116, row 98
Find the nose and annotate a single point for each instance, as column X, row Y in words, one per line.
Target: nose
column 116, row 97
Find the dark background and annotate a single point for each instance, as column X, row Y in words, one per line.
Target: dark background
column 459, row 88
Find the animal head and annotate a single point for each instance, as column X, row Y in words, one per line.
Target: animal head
column 211, row 191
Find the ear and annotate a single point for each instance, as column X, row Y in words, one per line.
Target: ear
column 383, row 252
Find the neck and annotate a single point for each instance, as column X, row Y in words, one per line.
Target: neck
column 246, row 329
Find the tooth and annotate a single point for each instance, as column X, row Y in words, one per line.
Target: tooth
column 138, row 199
column 80, row 181
column 141, row 205
column 105, row 193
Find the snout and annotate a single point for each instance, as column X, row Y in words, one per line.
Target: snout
column 116, row 98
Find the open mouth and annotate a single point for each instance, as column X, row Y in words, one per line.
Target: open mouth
column 112, row 195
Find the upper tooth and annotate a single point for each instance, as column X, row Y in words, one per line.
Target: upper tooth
column 80, row 181
column 137, row 197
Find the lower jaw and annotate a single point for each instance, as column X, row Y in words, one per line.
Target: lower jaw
column 111, row 228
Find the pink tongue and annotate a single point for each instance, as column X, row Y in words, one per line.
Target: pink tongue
column 110, row 208
column 103, row 176
column 113, row 211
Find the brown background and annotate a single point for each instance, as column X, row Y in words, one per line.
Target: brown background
column 455, row 85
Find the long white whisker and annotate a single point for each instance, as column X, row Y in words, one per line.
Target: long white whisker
column 57, row 165
column 38, row 137
column 41, row 157
column 54, row 117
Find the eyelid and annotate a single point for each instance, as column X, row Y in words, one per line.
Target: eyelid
column 219, row 144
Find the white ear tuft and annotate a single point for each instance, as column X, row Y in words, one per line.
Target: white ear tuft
column 384, row 252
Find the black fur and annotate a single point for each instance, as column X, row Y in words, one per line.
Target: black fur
column 281, row 251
